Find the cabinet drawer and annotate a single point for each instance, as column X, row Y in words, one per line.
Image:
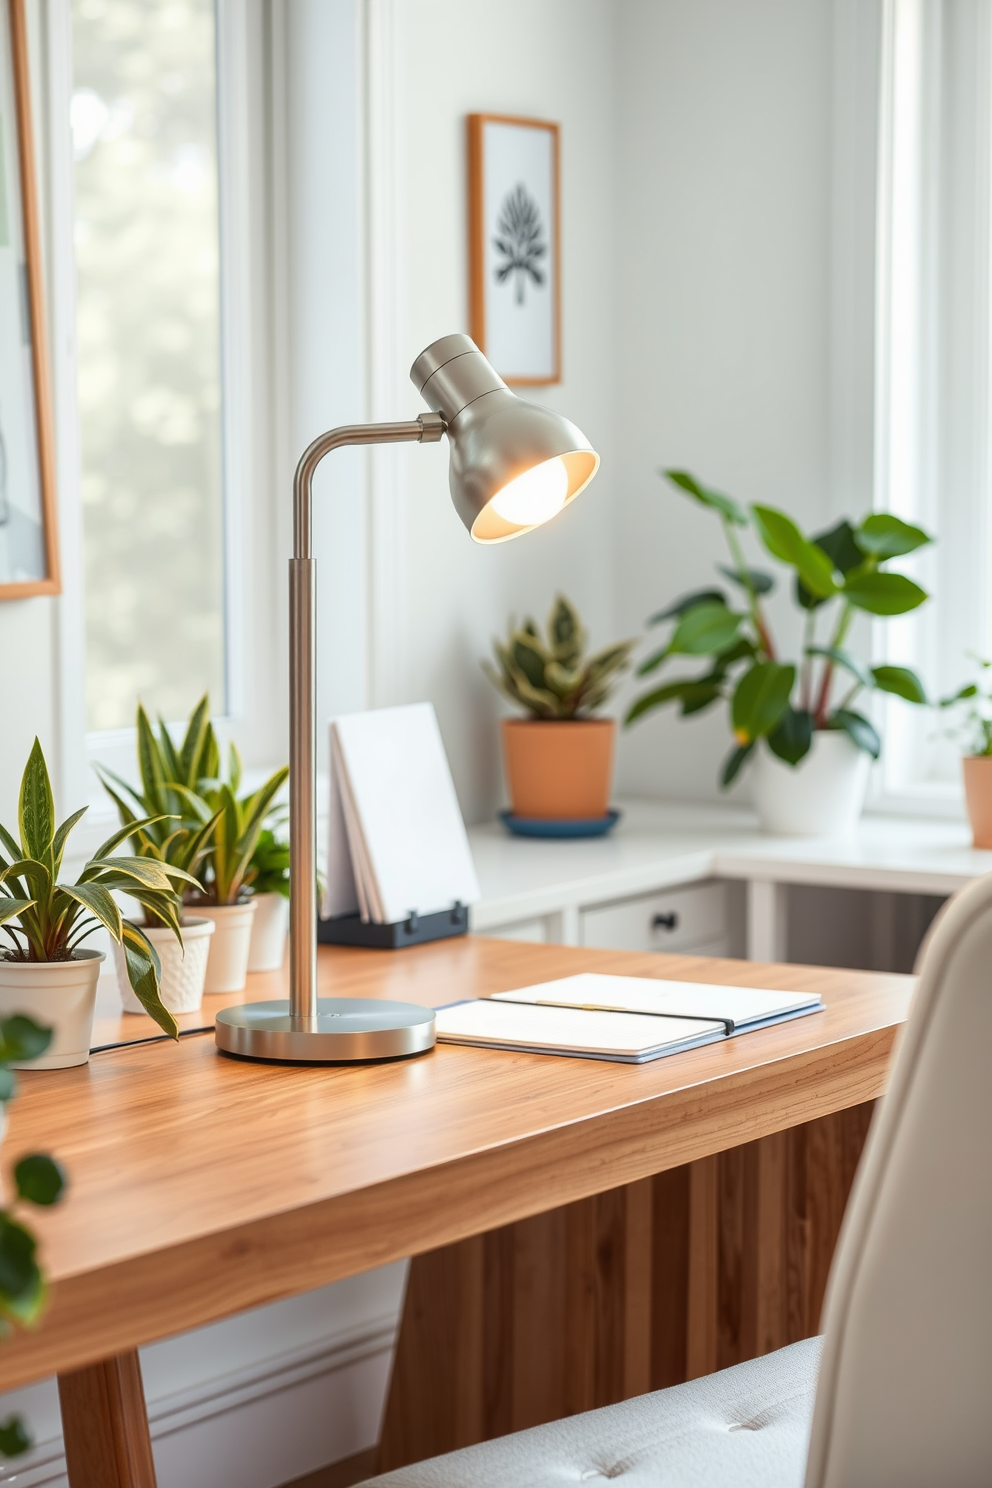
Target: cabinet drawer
column 673, row 920
column 532, row 930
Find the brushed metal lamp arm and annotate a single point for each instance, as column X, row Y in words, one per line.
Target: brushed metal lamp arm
column 427, row 429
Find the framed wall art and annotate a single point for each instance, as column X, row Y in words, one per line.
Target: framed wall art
column 515, row 246
column 29, row 562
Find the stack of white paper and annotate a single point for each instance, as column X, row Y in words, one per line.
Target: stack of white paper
column 397, row 840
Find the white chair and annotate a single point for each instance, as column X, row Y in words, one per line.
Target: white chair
column 904, row 1394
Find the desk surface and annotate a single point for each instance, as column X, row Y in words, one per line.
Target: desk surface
column 657, row 844
column 200, row 1186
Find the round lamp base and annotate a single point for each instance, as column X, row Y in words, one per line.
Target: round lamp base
column 346, row 1030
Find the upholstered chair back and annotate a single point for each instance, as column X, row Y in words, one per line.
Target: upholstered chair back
column 905, row 1390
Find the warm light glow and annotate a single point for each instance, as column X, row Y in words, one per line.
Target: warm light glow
column 534, row 497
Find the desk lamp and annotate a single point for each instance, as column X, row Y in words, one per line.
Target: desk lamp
column 513, row 466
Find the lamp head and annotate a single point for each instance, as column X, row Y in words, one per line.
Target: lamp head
column 513, row 465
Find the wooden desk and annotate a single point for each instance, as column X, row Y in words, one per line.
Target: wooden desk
column 201, row 1186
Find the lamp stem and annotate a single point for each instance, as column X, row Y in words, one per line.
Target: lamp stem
column 303, row 700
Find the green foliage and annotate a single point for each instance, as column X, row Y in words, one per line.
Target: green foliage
column 269, row 870
column 44, row 919
column 194, row 820
column 554, row 678
column 38, row 1180
column 836, row 574
column 972, row 705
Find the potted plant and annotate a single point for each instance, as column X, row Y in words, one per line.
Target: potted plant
column 39, row 1180
column 973, row 702
column 558, row 760
column 176, row 829
column 268, row 878
column 45, row 966
column 218, row 829
column 811, row 746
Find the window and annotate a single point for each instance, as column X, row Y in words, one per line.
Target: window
column 144, row 124
column 934, row 325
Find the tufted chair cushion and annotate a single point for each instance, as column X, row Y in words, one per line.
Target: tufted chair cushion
column 747, row 1426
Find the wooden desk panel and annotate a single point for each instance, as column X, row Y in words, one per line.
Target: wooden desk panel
column 201, row 1185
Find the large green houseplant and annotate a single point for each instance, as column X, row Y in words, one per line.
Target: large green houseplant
column 558, row 760
column 786, row 705
column 45, row 919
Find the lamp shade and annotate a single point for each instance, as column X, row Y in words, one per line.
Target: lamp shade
column 513, row 465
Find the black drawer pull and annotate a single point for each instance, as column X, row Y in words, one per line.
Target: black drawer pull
column 665, row 922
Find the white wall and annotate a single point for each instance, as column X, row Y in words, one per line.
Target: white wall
column 723, row 315
column 554, row 60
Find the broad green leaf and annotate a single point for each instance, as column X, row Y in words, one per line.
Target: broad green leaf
column 15, row 1438
column 728, row 509
column 170, row 755
column 884, row 536
column 900, row 681
column 21, row 1038
column 884, row 593
column 150, row 765
column 610, row 660
column 19, row 1278
column 234, row 768
column 62, row 836
column 35, row 875
column 760, row 699
column 732, row 764
column 100, row 902
column 143, row 972
column 784, row 541
column 756, row 579
column 529, row 658
column 143, row 870
column 39, row 1179
column 210, row 755
column 193, row 744
column 969, row 691
column 792, row 736
column 840, row 546
column 565, row 632
column 687, row 602
column 562, row 682
column 704, row 630
column 36, row 809
column 858, row 730
column 11, row 908
column 8, row 843
column 700, row 696
column 846, row 660
column 672, row 692
column 128, row 830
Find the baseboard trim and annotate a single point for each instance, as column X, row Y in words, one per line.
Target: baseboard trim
column 182, row 1410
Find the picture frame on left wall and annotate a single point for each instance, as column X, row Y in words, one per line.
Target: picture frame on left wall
column 29, row 553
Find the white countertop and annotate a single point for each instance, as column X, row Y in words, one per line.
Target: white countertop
column 658, row 844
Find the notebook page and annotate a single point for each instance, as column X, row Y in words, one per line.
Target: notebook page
column 743, row 1007
column 575, row 1031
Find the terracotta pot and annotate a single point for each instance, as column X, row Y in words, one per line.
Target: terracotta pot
column 561, row 770
column 61, row 994
column 184, row 967
column 978, row 797
column 227, row 959
column 267, row 950
column 822, row 796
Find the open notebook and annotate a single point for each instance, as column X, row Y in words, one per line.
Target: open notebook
column 630, row 1019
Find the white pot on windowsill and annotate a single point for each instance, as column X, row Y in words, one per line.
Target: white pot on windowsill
column 822, row 796
column 227, row 961
column 58, row 994
column 269, row 929
column 184, row 967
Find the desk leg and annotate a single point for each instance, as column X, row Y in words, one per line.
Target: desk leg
column 105, row 1425
column 632, row 1290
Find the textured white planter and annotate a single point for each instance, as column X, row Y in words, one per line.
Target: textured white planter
column 268, row 932
column 183, row 976
column 822, row 796
column 59, row 994
column 227, row 961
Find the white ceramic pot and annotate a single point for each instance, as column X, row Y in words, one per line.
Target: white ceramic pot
column 227, row 961
column 184, row 967
column 822, row 796
column 59, row 994
column 268, row 932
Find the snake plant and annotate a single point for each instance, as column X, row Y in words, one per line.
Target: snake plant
column 44, row 919
column 553, row 678
column 836, row 574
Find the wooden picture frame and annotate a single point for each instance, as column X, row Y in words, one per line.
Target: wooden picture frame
column 514, row 234
column 29, row 550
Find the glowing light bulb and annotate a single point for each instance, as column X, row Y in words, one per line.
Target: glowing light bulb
column 534, row 497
